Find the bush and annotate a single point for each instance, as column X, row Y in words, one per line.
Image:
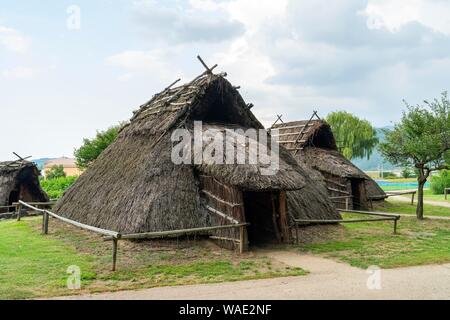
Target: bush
column 55, row 172
column 389, row 175
column 439, row 182
column 55, row 188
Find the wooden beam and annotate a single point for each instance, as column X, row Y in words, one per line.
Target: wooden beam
column 161, row 234
column 74, row 223
column 223, row 215
column 338, row 191
column 283, row 217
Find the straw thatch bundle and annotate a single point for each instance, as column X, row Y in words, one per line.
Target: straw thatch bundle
column 19, row 180
column 135, row 187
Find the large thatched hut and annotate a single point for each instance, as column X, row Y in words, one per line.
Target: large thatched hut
column 135, row 186
column 19, row 180
column 313, row 144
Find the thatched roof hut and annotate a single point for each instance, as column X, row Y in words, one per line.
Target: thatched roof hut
column 19, row 180
column 313, row 144
column 134, row 186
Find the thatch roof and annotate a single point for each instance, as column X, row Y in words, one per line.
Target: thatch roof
column 135, row 187
column 19, row 180
column 317, row 149
column 288, row 176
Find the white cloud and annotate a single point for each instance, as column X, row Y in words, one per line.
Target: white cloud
column 19, row 73
column 13, row 40
column 392, row 15
column 137, row 62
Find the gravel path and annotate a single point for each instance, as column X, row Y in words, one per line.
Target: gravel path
column 327, row 280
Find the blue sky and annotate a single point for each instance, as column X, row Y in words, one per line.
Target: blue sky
column 60, row 83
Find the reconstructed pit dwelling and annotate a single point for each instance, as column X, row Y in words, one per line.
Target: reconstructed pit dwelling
column 135, row 187
column 19, row 180
column 312, row 143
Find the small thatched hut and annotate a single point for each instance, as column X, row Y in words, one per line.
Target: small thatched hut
column 134, row 186
column 19, row 180
column 313, row 144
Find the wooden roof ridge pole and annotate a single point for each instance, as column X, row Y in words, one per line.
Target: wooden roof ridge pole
column 172, row 84
column 208, row 69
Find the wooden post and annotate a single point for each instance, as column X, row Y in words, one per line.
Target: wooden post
column 297, row 233
column 395, row 226
column 241, row 239
column 412, row 198
column 285, row 230
column 115, row 242
column 45, row 223
column 346, row 204
column 18, row 209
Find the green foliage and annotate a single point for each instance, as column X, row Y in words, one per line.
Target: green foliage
column 355, row 137
column 55, row 172
column 55, row 188
column 389, row 175
column 422, row 138
column 92, row 148
column 407, row 173
column 440, row 182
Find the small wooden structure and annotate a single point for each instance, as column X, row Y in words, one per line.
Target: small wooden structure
column 19, row 180
column 312, row 143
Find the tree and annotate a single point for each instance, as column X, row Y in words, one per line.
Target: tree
column 356, row 138
column 422, row 140
column 406, row 173
column 92, row 148
column 55, row 172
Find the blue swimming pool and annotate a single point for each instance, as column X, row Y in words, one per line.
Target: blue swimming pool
column 399, row 185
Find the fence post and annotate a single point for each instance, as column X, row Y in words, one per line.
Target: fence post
column 297, row 233
column 346, row 204
column 395, row 225
column 18, row 209
column 45, row 223
column 412, row 198
column 114, row 257
column 241, row 239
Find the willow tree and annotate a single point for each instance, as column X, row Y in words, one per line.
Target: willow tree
column 356, row 138
column 422, row 140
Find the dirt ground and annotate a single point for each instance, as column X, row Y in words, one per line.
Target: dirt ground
column 327, row 280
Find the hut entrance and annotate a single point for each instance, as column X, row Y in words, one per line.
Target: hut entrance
column 359, row 194
column 13, row 197
column 266, row 213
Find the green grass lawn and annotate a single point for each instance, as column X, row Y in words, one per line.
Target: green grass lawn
column 33, row 265
column 373, row 243
column 428, row 195
column 396, row 206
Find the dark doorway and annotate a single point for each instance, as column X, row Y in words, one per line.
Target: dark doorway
column 359, row 194
column 261, row 212
column 13, row 197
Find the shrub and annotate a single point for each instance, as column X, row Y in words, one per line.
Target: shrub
column 440, row 181
column 55, row 172
column 55, row 188
column 389, row 175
